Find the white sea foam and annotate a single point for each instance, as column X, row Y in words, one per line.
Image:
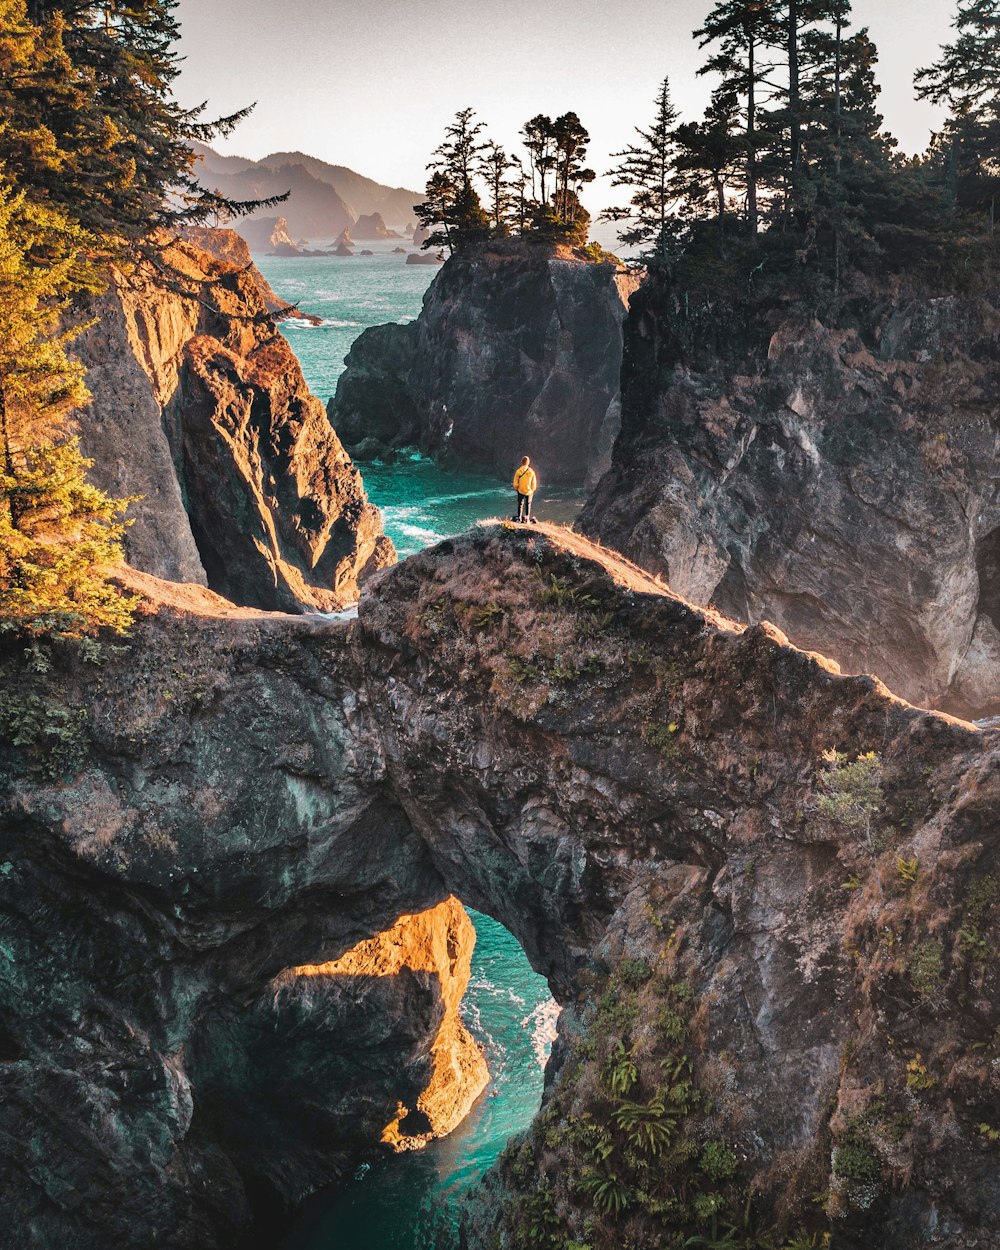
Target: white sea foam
column 542, row 1022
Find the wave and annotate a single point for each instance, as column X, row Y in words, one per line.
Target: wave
column 300, row 323
column 543, row 1022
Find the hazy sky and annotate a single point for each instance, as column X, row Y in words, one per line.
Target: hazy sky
column 371, row 84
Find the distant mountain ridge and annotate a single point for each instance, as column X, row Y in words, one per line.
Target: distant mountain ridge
column 325, row 199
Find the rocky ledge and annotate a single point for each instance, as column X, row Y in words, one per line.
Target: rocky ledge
column 200, row 409
column 517, row 350
column 766, row 893
column 841, row 482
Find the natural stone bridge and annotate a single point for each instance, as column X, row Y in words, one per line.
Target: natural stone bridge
column 521, row 720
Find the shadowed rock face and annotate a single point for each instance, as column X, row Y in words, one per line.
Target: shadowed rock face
column 200, row 407
column 844, row 487
column 516, row 351
column 535, row 726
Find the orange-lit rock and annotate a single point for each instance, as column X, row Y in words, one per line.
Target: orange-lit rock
column 438, row 942
column 201, row 411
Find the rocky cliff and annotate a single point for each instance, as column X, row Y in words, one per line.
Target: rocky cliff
column 767, row 893
column 200, row 408
column 841, row 482
column 516, row 351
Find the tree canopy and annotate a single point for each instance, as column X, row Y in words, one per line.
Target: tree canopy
column 789, row 182
column 541, row 202
column 95, row 162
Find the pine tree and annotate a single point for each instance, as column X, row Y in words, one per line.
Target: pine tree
column 58, row 533
column 539, row 141
column 649, row 169
column 114, row 148
column 710, row 161
column 967, row 79
column 742, row 31
column 496, row 167
column 452, row 209
column 570, row 141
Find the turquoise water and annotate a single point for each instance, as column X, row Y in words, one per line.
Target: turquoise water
column 350, row 293
column 421, row 503
column 396, row 1202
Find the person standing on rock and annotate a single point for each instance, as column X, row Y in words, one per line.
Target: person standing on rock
column 525, row 483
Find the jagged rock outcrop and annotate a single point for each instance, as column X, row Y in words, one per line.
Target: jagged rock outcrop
column 200, row 407
column 840, row 482
column 267, row 234
column 641, row 791
column 228, row 246
column 372, row 226
column 334, row 1057
column 517, row 350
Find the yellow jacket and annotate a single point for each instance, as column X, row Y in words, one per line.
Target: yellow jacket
column 525, row 481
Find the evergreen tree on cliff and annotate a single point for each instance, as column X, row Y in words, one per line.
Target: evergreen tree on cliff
column 967, row 79
column 742, row 32
column 94, row 160
column 452, row 210
column 649, row 169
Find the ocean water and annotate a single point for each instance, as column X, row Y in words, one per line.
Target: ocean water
column 350, row 293
column 421, row 503
column 396, row 1202
column 399, row 1202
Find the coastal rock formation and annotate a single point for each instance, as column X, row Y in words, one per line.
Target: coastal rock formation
column 371, row 226
column 839, row 482
column 334, row 1057
column 786, row 950
column 420, row 236
column 200, row 408
column 517, row 348
column 268, row 234
column 232, row 248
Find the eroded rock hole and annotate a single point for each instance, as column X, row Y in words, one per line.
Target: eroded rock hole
column 398, row 1199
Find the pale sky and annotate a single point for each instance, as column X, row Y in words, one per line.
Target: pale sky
column 372, row 85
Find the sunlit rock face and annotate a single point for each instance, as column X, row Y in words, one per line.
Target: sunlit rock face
column 528, row 723
column 517, row 351
column 334, row 1057
column 200, row 410
column 839, row 482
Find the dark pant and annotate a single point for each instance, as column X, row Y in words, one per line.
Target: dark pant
column 523, row 506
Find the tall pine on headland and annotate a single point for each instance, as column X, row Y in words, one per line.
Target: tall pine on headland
column 94, row 161
column 966, row 78
column 649, row 169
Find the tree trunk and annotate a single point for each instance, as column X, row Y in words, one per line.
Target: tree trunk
column 8, row 454
column 794, row 103
column 751, row 137
column 837, row 243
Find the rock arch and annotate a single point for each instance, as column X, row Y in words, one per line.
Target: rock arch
column 522, row 720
